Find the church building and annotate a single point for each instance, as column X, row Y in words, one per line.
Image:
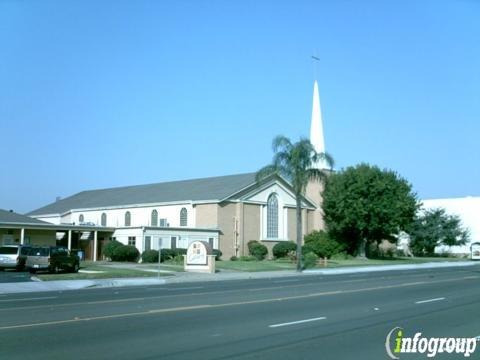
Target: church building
column 226, row 211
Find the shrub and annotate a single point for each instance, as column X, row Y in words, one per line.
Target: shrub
column 110, row 248
column 126, row 253
column 310, row 260
column 257, row 250
column 233, row 258
column 150, row 256
column 167, row 254
column 282, row 249
column 180, row 251
column 322, row 245
column 218, row 254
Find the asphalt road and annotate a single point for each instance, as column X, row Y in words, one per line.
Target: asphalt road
column 308, row 317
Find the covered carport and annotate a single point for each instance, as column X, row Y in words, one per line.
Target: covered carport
column 17, row 229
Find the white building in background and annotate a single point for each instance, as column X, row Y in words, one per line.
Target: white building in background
column 468, row 209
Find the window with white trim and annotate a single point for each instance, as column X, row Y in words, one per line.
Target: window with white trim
column 81, row 219
column 103, row 220
column 131, row 240
column 272, row 217
column 128, row 218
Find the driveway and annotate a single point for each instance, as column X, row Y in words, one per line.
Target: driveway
column 8, row 276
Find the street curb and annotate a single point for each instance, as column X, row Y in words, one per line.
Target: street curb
column 377, row 268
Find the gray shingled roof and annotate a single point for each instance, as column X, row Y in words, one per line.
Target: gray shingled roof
column 14, row 218
column 213, row 188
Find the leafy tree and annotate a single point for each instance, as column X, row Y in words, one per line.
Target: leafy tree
column 295, row 162
column 364, row 205
column 435, row 227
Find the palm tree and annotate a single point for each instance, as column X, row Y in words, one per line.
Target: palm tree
column 296, row 163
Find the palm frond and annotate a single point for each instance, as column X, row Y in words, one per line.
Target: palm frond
column 265, row 172
column 281, row 142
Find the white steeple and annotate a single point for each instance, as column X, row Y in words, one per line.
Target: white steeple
column 316, row 128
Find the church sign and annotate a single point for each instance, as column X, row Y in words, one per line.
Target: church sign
column 199, row 257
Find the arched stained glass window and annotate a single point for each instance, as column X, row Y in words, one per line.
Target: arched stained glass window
column 81, row 219
column 103, row 220
column 154, row 218
column 128, row 218
column 183, row 217
column 272, row 217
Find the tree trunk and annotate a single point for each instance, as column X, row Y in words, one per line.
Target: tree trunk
column 362, row 249
column 299, row 233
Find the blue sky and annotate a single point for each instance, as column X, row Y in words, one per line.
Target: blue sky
column 101, row 94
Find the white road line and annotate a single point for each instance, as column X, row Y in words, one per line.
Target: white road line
column 30, row 299
column 429, row 300
column 285, row 281
column 296, row 322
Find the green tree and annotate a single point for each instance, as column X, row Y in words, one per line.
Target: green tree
column 435, row 227
column 295, row 162
column 364, row 205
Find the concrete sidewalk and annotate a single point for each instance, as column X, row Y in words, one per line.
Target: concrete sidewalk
column 188, row 277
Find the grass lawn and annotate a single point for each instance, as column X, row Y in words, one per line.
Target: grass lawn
column 271, row 265
column 100, row 272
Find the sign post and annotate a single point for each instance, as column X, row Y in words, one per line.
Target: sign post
column 159, row 255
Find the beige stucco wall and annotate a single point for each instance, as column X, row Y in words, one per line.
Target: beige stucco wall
column 226, row 214
column 251, row 225
column 206, row 215
column 314, row 192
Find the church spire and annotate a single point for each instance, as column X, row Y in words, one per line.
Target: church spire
column 316, row 127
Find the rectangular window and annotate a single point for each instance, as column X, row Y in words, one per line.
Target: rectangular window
column 210, row 241
column 163, row 223
column 131, row 240
column 173, row 242
column 148, row 241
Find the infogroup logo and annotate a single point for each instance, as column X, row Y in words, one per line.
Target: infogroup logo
column 429, row 346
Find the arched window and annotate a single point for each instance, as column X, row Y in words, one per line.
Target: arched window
column 103, row 220
column 183, row 217
column 128, row 218
column 154, row 218
column 81, row 219
column 272, row 217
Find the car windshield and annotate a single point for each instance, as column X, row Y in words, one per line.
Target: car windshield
column 8, row 250
column 24, row 250
column 39, row 252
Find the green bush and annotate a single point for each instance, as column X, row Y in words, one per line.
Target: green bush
column 310, row 260
column 109, row 249
column 150, row 256
column 282, row 249
column 233, row 258
column 218, row 254
column 322, row 245
column 126, row 253
column 167, row 254
column 257, row 250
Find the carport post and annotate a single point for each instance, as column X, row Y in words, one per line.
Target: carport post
column 22, row 236
column 69, row 239
column 95, row 246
